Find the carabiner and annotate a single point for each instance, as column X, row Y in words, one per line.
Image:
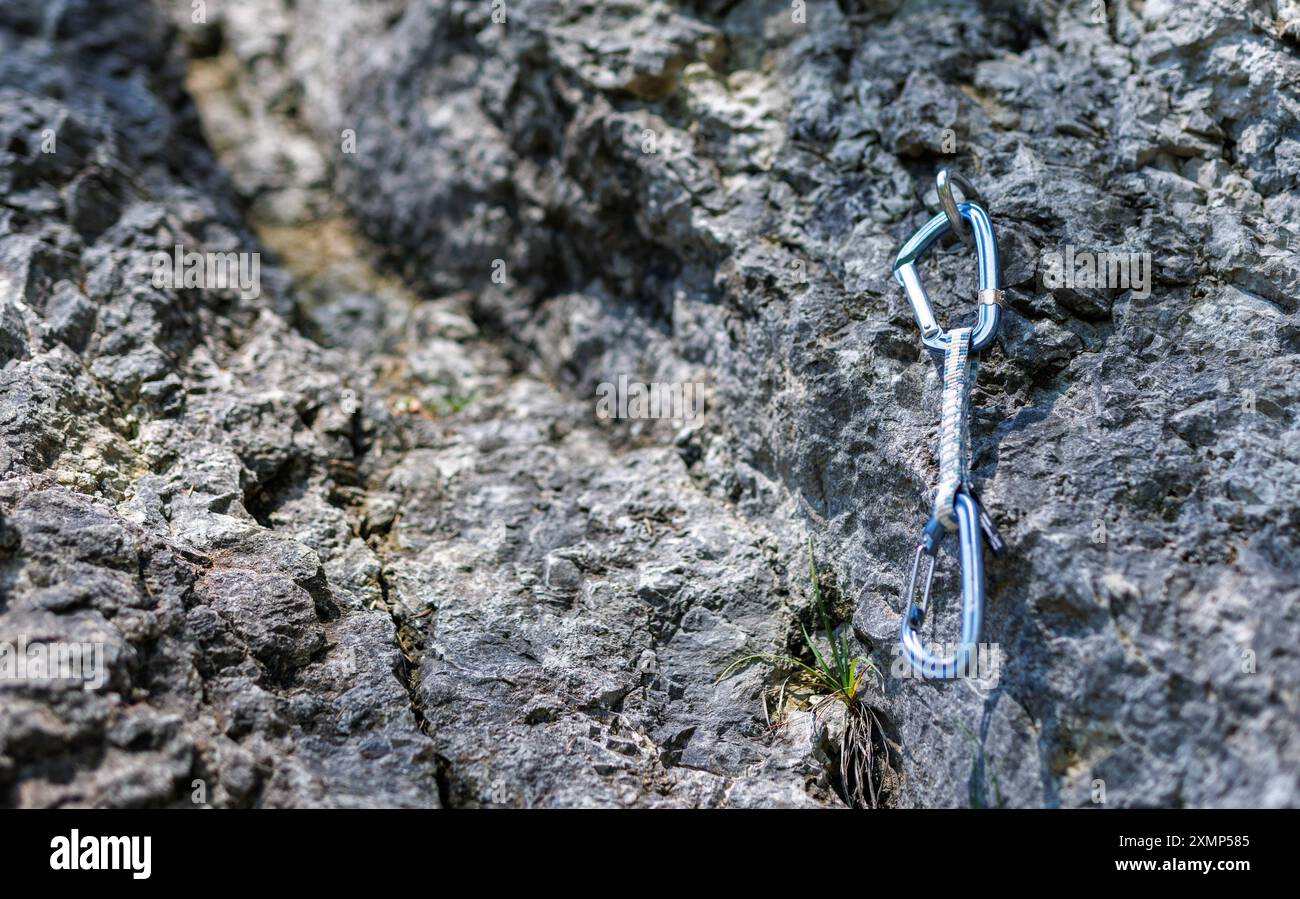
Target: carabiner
column 986, row 327
column 971, row 554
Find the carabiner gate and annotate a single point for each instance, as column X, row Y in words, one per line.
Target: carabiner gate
column 989, row 321
column 971, row 554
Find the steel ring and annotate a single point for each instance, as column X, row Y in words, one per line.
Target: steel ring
column 943, row 185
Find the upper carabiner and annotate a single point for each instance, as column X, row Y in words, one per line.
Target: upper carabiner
column 986, row 327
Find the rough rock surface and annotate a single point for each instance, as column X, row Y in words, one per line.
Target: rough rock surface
column 362, row 538
column 268, row 533
column 172, row 458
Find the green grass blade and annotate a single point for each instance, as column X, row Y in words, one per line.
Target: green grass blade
column 821, row 662
column 740, row 663
column 839, row 654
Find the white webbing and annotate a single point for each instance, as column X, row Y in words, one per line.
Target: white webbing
column 958, row 377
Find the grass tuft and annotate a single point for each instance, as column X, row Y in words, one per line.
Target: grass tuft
column 841, row 675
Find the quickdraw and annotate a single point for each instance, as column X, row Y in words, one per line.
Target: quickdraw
column 956, row 351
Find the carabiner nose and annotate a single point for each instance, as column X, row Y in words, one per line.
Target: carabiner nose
column 971, row 554
column 990, row 293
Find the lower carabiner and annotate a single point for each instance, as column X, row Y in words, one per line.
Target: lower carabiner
column 971, row 555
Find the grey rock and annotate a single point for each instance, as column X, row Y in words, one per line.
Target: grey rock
column 140, row 427
column 754, row 252
column 362, row 540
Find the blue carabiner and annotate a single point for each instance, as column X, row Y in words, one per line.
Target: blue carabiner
column 989, row 321
column 971, row 554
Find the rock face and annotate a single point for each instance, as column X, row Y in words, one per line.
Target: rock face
column 171, row 488
column 363, row 539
